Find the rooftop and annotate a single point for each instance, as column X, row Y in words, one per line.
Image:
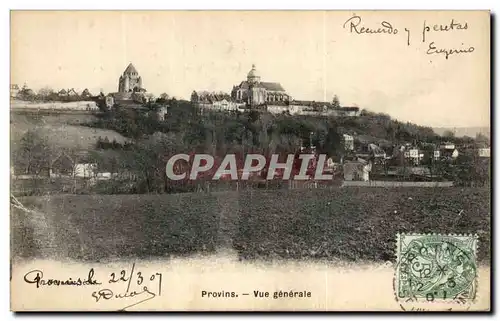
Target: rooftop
column 130, row 69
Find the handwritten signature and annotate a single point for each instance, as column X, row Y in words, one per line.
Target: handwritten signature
column 36, row 277
column 355, row 26
column 447, row 52
column 138, row 285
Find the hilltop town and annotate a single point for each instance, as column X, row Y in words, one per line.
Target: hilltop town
column 255, row 116
column 250, row 155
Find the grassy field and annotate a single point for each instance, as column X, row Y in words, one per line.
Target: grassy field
column 341, row 224
column 356, row 223
column 61, row 130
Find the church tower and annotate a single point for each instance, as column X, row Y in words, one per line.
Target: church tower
column 130, row 81
column 256, row 93
column 253, row 76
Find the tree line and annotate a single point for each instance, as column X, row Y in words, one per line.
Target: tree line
column 188, row 130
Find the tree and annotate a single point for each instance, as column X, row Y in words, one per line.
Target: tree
column 33, row 154
column 449, row 134
column 45, row 93
column 336, row 102
column 26, row 94
column 482, row 140
column 147, row 159
column 85, row 94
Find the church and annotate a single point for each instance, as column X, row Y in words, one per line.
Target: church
column 255, row 92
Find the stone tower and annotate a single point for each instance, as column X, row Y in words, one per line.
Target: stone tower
column 130, row 81
column 256, row 92
column 253, row 76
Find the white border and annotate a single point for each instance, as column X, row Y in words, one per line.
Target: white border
column 185, row 4
column 254, row 4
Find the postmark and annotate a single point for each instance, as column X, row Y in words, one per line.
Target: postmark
column 436, row 268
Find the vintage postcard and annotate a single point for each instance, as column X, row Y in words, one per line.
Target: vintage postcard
column 250, row 161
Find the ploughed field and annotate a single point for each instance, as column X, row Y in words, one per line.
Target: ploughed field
column 343, row 224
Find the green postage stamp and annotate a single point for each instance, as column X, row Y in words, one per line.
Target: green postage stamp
column 433, row 267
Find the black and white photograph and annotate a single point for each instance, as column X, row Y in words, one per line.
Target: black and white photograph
column 250, row 161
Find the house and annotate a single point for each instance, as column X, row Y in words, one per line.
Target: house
column 448, row 150
column 484, row 152
column 357, row 170
column 349, row 111
column 305, row 107
column 278, row 108
column 320, row 108
column 449, row 153
column 162, row 113
column 85, row 170
column 62, row 93
column 348, row 142
column 414, row 155
column 219, row 101
column 63, row 165
column 447, row 145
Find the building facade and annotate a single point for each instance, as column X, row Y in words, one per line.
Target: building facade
column 348, row 142
column 216, row 101
column 357, row 170
column 255, row 92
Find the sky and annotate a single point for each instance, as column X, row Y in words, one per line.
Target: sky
column 313, row 54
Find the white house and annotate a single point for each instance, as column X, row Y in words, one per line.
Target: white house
column 85, row 170
column 447, row 145
column 162, row 113
column 348, row 142
column 278, row 109
column 349, row 111
column 484, row 152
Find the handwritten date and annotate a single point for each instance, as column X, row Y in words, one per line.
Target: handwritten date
column 132, row 279
column 140, row 286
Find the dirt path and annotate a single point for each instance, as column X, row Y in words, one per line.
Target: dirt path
column 39, row 230
column 228, row 223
